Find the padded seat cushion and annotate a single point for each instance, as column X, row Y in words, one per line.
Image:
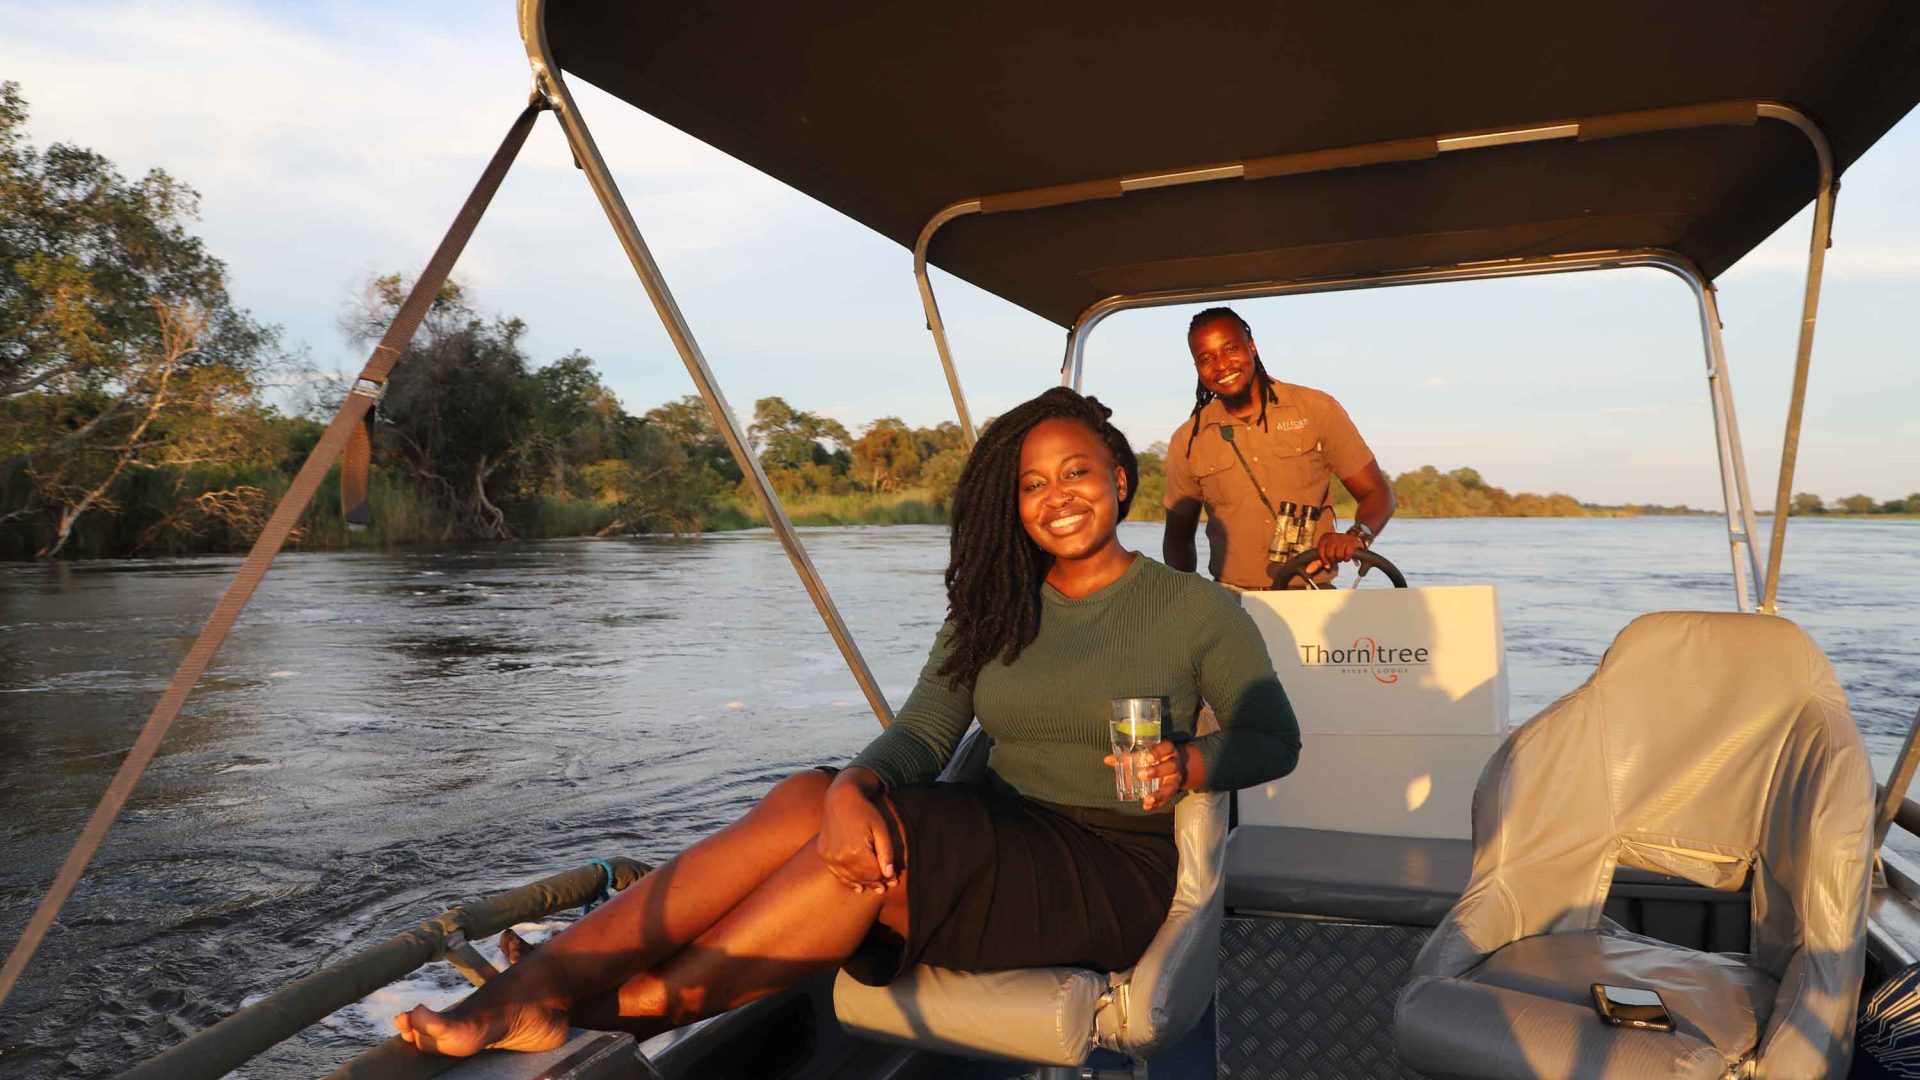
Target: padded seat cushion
column 1527, row 1011
column 1404, row 880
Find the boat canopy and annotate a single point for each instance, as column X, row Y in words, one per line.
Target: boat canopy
column 892, row 113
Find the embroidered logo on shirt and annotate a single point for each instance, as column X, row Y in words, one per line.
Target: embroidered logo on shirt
column 1290, row 425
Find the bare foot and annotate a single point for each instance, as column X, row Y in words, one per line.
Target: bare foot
column 513, row 946
column 468, row 1028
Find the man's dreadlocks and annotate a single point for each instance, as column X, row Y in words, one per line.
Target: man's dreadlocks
column 995, row 570
column 1202, row 395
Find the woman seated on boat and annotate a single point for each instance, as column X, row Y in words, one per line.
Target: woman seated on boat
column 875, row 866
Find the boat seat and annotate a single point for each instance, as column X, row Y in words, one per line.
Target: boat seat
column 1718, row 1004
column 1715, row 747
column 1416, row 880
column 1057, row 1016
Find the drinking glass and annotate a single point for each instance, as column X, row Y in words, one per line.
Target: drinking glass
column 1133, row 729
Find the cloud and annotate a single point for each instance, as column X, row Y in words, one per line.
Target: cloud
column 1438, row 383
column 1869, row 261
column 331, row 141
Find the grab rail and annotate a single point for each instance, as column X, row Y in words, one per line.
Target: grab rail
column 1908, row 816
column 227, row 1045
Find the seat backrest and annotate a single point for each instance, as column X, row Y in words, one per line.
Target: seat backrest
column 1709, row 746
column 1168, row 989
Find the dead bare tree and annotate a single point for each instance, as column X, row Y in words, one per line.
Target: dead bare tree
column 182, row 325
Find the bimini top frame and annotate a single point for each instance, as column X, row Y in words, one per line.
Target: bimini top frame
column 1736, row 496
column 1731, row 454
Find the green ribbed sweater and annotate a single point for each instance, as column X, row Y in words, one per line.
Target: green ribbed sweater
column 1154, row 632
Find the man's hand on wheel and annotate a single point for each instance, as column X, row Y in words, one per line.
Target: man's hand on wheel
column 1335, row 548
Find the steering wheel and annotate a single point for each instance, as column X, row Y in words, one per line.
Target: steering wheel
column 1284, row 573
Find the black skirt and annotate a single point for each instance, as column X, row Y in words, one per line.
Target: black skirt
column 995, row 880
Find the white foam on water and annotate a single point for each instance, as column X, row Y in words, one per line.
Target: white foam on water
column 736, row 704
column 437, row 986
column 281, row 674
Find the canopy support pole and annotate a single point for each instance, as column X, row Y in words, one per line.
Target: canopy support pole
column 273, row 536
column 1803, row 356
column 1711, row 114
column 1732, row 456
column 932, row 307
column 586, row 154
column 1734, row 491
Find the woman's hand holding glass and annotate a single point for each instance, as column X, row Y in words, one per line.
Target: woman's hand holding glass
column 854, row 841
column 1166, row 769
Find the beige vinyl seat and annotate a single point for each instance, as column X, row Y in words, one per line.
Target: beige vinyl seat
column 1057, row 1016
column 1714, row 747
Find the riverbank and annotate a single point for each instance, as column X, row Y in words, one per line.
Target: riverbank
column 236, row 503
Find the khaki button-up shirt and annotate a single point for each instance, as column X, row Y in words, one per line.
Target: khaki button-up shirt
column 1308, row 439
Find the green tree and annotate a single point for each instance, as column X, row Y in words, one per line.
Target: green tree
column 793, row 448
column 1859, row 504
column 886, row 456
column 459, row 413
column 1149, row 502
column 686, row 423
column 939, row 439
column 121, row 352
column 655, row 486
column 940, row 474
column 1806, row 502
column 575, row 419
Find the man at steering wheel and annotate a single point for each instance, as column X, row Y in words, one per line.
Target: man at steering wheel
column 1252, row 444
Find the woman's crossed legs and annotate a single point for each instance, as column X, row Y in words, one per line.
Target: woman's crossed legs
column 747, row 911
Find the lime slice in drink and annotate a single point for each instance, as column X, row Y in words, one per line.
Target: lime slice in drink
column 1138, row 729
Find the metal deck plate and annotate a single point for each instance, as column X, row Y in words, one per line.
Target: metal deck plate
column 1311, row 999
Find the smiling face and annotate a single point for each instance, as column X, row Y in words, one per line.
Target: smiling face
column 1070, row 489
column 1223, row 357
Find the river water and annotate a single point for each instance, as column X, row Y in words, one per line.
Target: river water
column 388, row 734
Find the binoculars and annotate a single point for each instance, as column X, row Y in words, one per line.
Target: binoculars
column 1294, row 526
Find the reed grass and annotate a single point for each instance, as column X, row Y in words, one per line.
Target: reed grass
column 886, row 508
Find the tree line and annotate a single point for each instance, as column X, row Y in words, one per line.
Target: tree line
column 1806, row 502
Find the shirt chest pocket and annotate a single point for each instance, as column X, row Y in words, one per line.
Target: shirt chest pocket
column 1289, row 465
column 1293, row 469
column 1223, row 483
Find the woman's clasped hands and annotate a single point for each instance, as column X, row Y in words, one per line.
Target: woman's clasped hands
column 854, row 840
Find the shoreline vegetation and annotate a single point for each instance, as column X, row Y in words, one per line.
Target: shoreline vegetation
column 143, row 412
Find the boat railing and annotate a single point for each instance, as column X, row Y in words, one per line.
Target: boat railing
column 250, row 1031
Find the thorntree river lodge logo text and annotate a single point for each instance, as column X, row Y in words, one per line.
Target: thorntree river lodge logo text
column 1386, row 663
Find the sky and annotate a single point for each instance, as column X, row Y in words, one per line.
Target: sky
column 334, row 141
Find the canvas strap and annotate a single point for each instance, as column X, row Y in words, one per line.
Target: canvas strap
column 1226, row 435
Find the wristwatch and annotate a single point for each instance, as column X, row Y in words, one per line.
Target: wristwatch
column 1365, row 534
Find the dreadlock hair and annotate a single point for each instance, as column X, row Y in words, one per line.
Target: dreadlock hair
column 1202, row 395
column 995, row 570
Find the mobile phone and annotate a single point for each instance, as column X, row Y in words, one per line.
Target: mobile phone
column 1631, row 1006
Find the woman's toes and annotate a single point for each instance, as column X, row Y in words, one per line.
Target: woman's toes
column 513, row 946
